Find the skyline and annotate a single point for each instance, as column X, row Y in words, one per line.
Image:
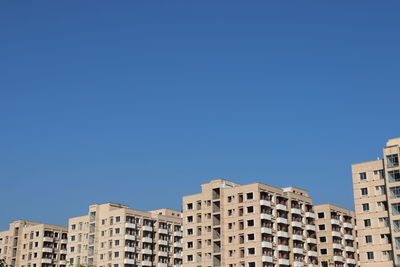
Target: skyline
column 100, row 101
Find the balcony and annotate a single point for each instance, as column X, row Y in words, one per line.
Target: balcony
column 63, row 262
column 163, row 231
column 178, row 233
column 265, row 216
column 265, row 230
column 48, row 239
column 310, row 214
column 178, row 255
column 267, row 259
column 284, row 262
column 312, row 253
column 147, row 228
column 298, row 264
column 350, row 261
column 338, row 258
column 130, row 249
column 336, row 233
column 310, row 227
column 283, row 248
column 47, row 250
column 266, row 244
column 64, row 241
column 47, row 261
column 147, row 240
column 312, row 265
column 147, row 251
column 264, row 202
column 295, row 211
column 163, row 242
column 63, row 251
column 311, row 240
column 335, row 222
column 283, row 234
column 297, row 224
column 336, row 246
column 347, row 225
column 281, row 220
column 298, row 251
column 281, row 207
column 162, row 265
column 348, row 237
column 146, row 263
column 130, row 225
column 178, row 244
column 349, row 249
column 130, row 237
column 297, row 237
column 163, row 254
column 130, row 261
column 178, row 265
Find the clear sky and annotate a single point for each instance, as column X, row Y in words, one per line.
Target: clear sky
column 139, row 102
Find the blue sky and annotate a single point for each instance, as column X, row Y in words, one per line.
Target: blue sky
column 139, row 102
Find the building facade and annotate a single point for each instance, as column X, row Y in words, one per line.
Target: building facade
column 337, row 246
column 113, row 235
column 251, row 225
column 376, row 187
column 32, row 244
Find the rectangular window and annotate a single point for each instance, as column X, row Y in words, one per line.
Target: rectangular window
column 395, row 208
column 395, row 192
column 364, row 191
column 321, row 215
column 367, row 222
column 394, row 176
column 397, row 242
column 392, row 160
column 370, row 255
column 363, row 176
column 396, row 225
column 368, row 239
column 365, row 207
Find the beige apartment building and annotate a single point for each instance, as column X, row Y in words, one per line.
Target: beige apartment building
column 113, row 235
column 253, row 225
column 32, row 244
column 376, row 187
column 336, row 237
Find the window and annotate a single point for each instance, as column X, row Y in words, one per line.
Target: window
column 385, row 221
column 321, row 215
column 368, row 239
column 324, row 251
column 251, row 251
column 117, row 231
column 189, row 257
column 395, row 208
column 117, row 219
column 190, row 231
column 250, row 223
column 190, row 244
column 397, row 242
column 396, row 225
column 116, row 254
column 365, row 207
column 392, row 160
column 364, row 191
column 189, row 219
column 249, row 196
column 394, row 192
column 394, row 176
column 370, row 255
column 73, row 227
column 381, row 189
column 381, row 173
column 363, row 176
column 321, row 227
column 367, row 222
column 250, row 209
column 116, row 242
column 250, row 237
column 322, row 239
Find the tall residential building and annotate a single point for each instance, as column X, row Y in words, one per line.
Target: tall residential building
column 336, row 236
column 32, row 244
column 253, row 225
column 113, row 235
column 377, row 206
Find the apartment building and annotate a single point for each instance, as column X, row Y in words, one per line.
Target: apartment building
column 336, row 236
column 113, row 235
column 32, row 244
column 251, row 225
column 376, row 187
